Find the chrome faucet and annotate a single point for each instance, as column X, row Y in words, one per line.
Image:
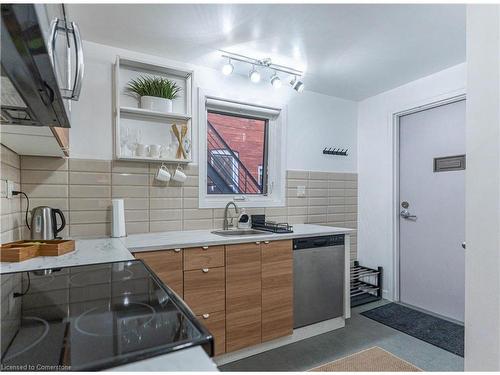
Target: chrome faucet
column 225, row 225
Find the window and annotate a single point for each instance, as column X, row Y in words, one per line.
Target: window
column 241, row 156
column 236, row 149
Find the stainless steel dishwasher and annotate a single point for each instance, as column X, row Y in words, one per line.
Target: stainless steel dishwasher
column 318, row 279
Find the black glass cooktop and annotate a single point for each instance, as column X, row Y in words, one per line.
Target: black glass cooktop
column 92, row 317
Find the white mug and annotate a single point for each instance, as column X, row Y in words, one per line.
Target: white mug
column 154, row 151
column 179, row 175
column 141, row 149
column 162, row 174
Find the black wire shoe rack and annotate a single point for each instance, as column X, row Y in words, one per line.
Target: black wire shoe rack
column 366, row 284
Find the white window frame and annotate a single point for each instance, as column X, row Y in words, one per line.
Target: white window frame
column 276, row 154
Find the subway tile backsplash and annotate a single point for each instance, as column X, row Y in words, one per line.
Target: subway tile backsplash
column 83, row 189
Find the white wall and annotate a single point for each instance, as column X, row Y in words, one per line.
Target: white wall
column 314, row 120
column 482, row 203
column 376, row 213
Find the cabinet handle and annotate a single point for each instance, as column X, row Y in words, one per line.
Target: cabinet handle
column 206, row 316
column 205, row 270
column 80, row 64
column 72, row 93
column 266, row 242
column 177, row 250
column 205, row 247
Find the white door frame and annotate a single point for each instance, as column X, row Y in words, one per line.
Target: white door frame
column 396, row 115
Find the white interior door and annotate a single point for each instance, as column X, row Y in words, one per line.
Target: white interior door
column 431, row 257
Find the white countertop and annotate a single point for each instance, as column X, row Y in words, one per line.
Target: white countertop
column 194, row 238
column 86, row 252
column 191, row 359
column 92, row 251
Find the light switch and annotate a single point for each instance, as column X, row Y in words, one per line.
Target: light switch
column 10, row 188
column 301, row 191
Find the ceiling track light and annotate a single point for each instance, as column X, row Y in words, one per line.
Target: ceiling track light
column 228, row 68
column 266, row 63
column 297, row 85
column 254, row 75
column 276, row 81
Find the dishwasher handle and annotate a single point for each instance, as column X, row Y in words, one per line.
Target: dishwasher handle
column 318, row 241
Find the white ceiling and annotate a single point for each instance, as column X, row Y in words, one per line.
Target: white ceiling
column 350, row 51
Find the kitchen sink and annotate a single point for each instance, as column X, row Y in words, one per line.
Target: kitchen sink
column 239, row 232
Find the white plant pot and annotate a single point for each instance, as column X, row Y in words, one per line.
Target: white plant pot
column 154, row 103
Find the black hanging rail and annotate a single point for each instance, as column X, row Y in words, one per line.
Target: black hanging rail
column 335, row 151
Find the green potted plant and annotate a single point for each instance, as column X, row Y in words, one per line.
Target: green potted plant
column 154, row 93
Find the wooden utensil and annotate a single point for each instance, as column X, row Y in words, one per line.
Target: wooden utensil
column 178, row 136
column 184, row 131
column 180, row 150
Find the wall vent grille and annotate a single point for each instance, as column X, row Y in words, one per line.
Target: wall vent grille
column 449, row 163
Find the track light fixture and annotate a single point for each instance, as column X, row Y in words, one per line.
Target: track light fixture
column 266, row 63
column 254, row 75
column 276, row 81
column 297, row 85
column 228, row 68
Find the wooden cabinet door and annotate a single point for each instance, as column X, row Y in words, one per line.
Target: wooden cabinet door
column 204, row 290
column 216, row 325
column 243, row 296
column 277, row 289
column 167, row 264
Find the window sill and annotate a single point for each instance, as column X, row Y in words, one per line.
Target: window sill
column 248, row 202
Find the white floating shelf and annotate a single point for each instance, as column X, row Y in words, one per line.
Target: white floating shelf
column 155, row 127
column 159, row 115
column 159, row 160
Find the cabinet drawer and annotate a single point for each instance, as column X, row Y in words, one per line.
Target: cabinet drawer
column 216, row 324
column 167, row 265
column 203, row 257
column 204, row 290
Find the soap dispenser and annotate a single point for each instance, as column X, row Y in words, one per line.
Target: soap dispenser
column 244, row 221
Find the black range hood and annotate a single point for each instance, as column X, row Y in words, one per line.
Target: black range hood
column 31, row 93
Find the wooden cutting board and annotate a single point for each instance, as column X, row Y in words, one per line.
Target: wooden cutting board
column 19, row 251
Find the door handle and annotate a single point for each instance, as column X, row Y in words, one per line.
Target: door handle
column 463, row 245
column 405, row 214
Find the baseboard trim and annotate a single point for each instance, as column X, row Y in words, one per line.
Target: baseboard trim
column 297, row 335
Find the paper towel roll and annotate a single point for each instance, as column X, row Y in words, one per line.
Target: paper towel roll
column 118, row 219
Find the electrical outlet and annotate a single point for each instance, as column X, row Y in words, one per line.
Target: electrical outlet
column 3, row 188
column 10, row 188
column 301, row 191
